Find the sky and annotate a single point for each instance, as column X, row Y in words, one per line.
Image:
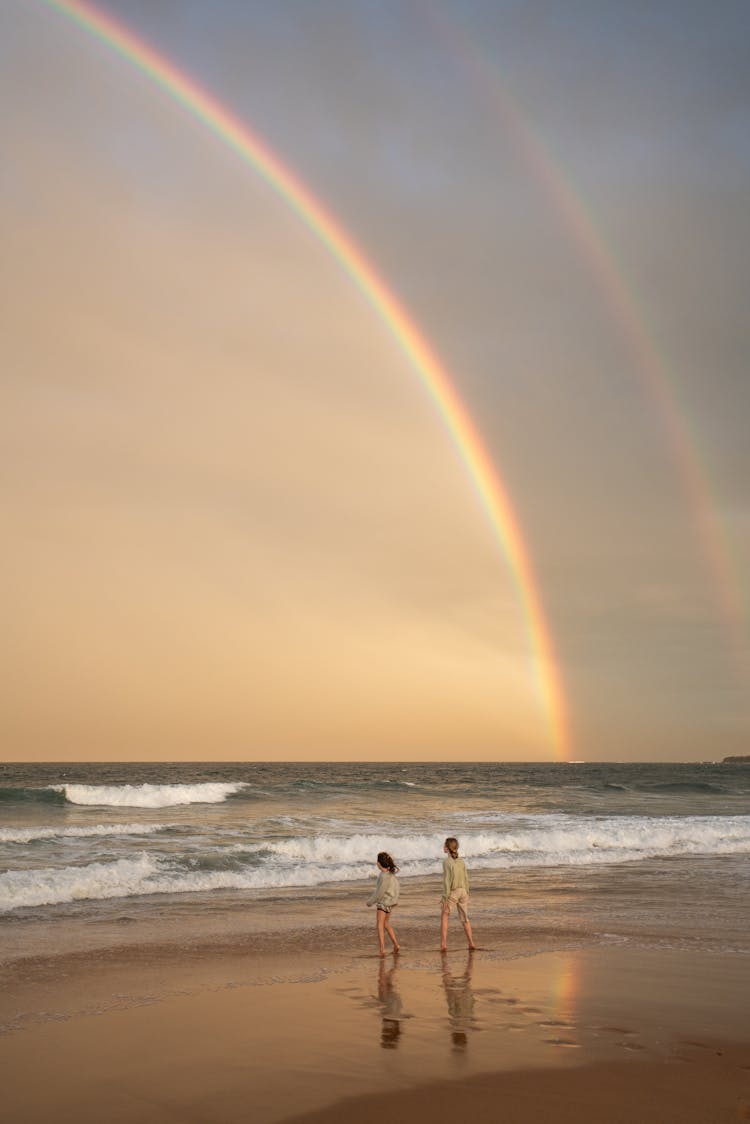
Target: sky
column 237, row 524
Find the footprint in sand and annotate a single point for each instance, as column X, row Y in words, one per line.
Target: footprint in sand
column 566, row 1043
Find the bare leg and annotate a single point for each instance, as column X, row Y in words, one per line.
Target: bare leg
column 391, row 932
column 380, row 922
column 444, row 930
column 469, row 937
column 380, row 919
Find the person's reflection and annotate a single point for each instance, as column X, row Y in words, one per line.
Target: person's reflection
column 460, row 999
column 391, row 1006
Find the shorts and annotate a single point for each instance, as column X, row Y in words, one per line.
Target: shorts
column 385, row 908
column 460, row 900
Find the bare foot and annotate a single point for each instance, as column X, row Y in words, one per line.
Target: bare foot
column 397, row 948
column 443, row 948
column 472, row 948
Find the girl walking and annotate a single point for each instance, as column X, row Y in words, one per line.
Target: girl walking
column 455, row 892
column 385, row 897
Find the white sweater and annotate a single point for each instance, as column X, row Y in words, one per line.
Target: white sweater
column 386, row 890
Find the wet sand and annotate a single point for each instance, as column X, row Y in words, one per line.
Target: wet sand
column 703, row 1085
column 317, row 1027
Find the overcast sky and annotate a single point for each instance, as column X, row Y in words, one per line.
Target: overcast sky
column 235, row 524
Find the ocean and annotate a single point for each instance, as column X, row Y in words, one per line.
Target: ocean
column 97, row 854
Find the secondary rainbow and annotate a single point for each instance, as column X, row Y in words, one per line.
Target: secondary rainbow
column 491, row 491
column 618, row 297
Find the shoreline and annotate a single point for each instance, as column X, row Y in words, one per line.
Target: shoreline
column 203, row 1032
column 211, row 963
column 651, row 901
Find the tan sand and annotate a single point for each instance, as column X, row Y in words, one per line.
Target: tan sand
column 218, row 1035
column 704, row 1085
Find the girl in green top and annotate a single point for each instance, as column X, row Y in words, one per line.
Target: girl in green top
column 455, row 892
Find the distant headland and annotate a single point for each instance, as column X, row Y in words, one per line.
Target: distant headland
column 737, row 760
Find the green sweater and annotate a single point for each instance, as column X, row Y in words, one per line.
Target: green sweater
column 455, row 876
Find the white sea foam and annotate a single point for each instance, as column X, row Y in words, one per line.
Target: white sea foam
column 148, row 875
column 53, row 885
column 147, row 795
column 31, row 834
column 308, row 861
column 545, row 840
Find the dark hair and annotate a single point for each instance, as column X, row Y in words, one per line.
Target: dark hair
column 385, row 860
column 452, row 845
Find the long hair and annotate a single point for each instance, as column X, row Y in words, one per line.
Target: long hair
column 385, row 860
column 452, row 845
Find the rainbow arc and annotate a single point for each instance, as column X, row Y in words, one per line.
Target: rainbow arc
column 618, row 298
column 253, row 152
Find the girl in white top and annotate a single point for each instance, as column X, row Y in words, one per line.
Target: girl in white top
column 385, row 897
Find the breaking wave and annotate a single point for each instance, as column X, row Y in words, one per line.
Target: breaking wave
column 147, row 795
column 317, row 860
column 32, row 834
column 125, row 795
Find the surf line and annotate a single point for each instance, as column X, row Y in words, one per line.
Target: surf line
column 487, row 482
column 618, row 298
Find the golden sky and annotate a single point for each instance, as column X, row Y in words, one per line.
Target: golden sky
column 235, row 524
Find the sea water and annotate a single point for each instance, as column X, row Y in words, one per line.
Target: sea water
column 647, row 852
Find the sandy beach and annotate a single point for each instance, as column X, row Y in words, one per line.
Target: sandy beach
column 195, row 947
column 313, row 1026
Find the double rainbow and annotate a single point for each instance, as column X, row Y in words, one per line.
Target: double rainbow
column 619, row 298
column 253, row 152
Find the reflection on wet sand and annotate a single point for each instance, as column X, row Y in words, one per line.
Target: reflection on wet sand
column 544, row 1004
column 391, row 1005
column 460, row 999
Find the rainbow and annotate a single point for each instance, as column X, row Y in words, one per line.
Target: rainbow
column 487, row 483
column 618, row 297
column 566, row 987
